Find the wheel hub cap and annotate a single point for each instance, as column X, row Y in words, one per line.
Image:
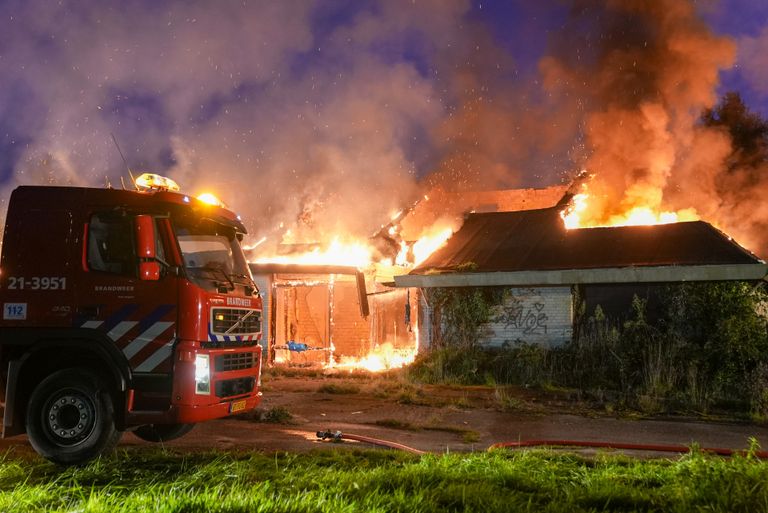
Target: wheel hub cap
column 70, row 417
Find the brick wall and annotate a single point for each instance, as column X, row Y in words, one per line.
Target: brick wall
column 534, row 315
column 349, row 330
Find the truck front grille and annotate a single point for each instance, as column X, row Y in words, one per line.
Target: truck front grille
column 234, row 387
column 235, row 321
column 235, row 361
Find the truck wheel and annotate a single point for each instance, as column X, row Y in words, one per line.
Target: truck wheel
column 162, row 432
column 70, row 417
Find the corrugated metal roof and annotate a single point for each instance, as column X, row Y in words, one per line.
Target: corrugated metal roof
column 535, row 240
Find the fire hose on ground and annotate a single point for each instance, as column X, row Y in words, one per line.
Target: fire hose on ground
column 338, row 436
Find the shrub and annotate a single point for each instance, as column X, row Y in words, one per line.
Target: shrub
column 460, row 314
column 338, row 388
column 709, row 347
column 277, row 415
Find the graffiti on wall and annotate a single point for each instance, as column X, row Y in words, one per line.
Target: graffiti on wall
column 532, row 315
column 530, row 318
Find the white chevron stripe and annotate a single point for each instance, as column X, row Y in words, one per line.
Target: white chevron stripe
column 121, row 329
column 156, row 359
column 145, row 338
column 92, row 324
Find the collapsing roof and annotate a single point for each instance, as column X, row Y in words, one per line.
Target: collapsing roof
column 533, row 247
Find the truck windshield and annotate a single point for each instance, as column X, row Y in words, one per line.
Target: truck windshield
column 212, row 253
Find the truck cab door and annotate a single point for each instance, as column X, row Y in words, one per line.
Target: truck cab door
column 138, row 315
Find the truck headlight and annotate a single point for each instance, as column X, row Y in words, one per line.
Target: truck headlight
column 202, row 374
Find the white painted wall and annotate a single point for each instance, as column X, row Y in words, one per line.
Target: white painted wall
column 541, row 315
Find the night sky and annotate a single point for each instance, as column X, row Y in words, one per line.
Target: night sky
column 291, row 106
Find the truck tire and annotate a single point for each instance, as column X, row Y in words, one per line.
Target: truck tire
column 70, row 417
column 162, row 432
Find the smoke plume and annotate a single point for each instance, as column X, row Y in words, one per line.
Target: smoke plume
column 326, row 118
column 645, row 71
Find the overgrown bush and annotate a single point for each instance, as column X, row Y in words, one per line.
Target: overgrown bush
column 461, row 314
column 453, row 365
column 708, row 349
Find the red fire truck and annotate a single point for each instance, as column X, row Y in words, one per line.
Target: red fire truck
column 123, row 310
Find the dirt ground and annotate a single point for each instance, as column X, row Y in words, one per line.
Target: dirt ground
column 432, row 418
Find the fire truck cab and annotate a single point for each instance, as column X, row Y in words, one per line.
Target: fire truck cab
column 122, row 310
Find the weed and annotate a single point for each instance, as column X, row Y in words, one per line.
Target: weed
column 505, row 400
column 470, row 437
column 413, row 397
column 278, row 415
column 338, row 388
column 397, row 424
column 275, row 415
column 705, row 348
column 291, row 372
column 463, row 402
column 467, row 435
column 390, row 387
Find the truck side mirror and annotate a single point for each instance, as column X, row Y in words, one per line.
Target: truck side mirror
column 149, row 268
column 145, row 237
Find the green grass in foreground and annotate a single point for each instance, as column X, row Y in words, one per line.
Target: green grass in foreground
column 346, row 480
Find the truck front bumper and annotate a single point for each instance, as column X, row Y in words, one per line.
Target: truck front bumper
column 208, row 384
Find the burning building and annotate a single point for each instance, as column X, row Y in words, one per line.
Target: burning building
column 336, row 317
column 366, row 304
column 337, row 306
column 546, row 265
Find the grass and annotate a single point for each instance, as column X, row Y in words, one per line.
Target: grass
column 274, row 415
column 505, row 400
column 351, row 481
column 278, row 415
column 397, row 424
column 468, row 436
column 338, row 388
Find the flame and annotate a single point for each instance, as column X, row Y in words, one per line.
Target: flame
column 430, row 243
column 383, row 357
column 352, row 254
column 577, row 215
column 572, row 214
column 363, row 255
column 250, row 247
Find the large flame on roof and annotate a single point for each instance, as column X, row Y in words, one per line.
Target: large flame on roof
column 360, row 253
column 337, row 252
column 579, row 214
